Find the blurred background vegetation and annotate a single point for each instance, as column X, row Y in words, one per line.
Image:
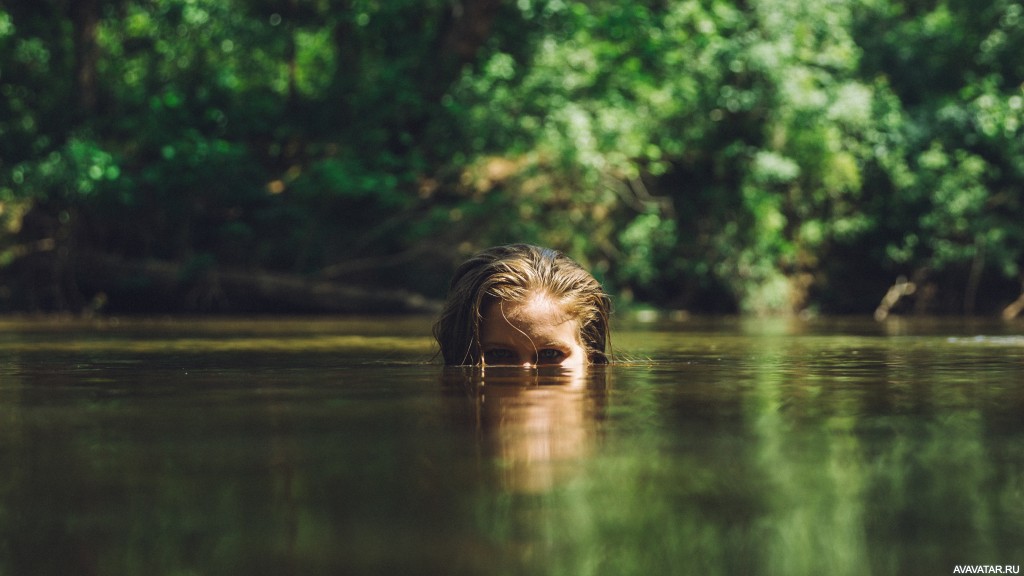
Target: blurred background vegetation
column 753, row 156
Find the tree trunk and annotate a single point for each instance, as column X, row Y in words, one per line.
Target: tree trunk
column 85, row 19
column 469, row 28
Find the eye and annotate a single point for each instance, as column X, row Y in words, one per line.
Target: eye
column 550, row 356
column 497, row 356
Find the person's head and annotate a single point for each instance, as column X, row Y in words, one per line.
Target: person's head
column 523, row 305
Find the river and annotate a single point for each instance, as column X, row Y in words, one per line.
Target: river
column 338, row 446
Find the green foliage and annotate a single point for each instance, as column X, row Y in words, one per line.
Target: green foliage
column 71, row 173
column 773, row 156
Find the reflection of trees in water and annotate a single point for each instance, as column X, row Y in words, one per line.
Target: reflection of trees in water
column 882, row 463
column 778, row 464
column 535, row 425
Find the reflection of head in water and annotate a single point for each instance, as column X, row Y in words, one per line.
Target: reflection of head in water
column 521, row 304
column 536, row 426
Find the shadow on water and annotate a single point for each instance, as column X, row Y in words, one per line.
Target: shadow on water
column 335, row 446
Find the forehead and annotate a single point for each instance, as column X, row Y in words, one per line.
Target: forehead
column 537, row 305
column 539, row 317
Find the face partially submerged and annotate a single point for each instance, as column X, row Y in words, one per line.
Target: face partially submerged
column 552, row 312
column 532, row 333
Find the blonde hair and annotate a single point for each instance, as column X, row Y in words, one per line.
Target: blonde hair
column 512, row 273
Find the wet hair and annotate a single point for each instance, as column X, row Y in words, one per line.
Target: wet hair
column 513, row 273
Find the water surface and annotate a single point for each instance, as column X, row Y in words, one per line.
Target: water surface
column 335, row 446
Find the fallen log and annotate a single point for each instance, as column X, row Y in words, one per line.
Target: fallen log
column 1014, row 308
column 204, row 287
column 897, row 291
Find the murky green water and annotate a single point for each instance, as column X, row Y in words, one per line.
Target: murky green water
column 335, row 447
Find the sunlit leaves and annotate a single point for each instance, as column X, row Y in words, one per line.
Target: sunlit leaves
column 693, row 151
column 74, row 170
